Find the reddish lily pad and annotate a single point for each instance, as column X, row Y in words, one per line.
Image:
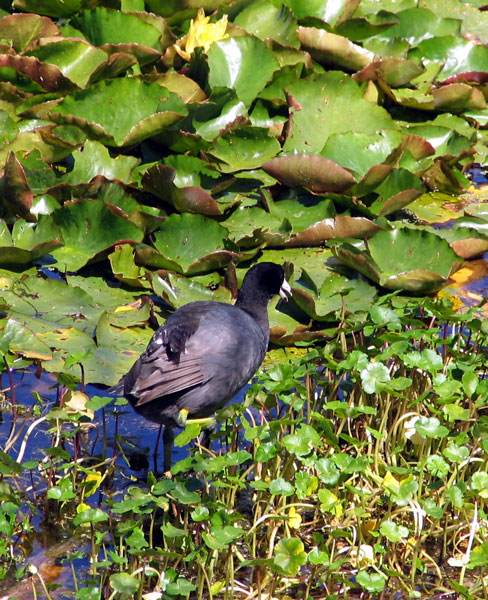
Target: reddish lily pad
column 337, row 227
column 76, row 59
column 48, row 77
column 23, row 30
column 394, row 71
column 16, row 196
column 159, row 180
column 319, row 175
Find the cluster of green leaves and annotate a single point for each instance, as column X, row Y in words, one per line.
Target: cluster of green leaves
column 340, row 471
column 301, row 125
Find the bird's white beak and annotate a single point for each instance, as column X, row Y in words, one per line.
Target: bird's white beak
column 285, row 290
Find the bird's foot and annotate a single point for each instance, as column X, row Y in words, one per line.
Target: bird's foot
column 182, row 420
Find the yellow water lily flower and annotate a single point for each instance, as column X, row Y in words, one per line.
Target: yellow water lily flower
column 202, row 34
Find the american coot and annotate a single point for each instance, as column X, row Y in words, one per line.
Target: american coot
column 203, row 355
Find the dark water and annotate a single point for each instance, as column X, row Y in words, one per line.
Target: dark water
column 117, row 433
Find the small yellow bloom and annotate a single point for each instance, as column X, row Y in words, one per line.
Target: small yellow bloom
column 202, row 34
column 294, row 519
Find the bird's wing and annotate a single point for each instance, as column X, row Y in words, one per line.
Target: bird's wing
column 168, row 365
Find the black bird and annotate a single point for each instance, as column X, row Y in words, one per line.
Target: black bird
column 203, row 355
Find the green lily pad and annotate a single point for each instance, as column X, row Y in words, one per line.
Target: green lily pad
column 119, row 111
column 125, row 269
column 222, row 111
column 52, row 301
column 267, row 21
column 436, row 207
column 403, row 259
column 28, row 241
column 244, row 64
column 94, row 159
column 457, row 55
column 364, row 150
column 250, row 227
column 189, row 244
column 76, row 59
column 177, row 290
column 330, row 13
column 328, row 104
column 52, row 8
column 335, row 294
column 245, row 148
column 84, row 237
column 394, row 71
column 107, row 26
column 420, row 23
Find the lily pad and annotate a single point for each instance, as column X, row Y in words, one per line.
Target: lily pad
column 245, row 148
column 23, row 30
column 264, row 20
column 159, row 180
column 403, row 259
column 94, row 159
column 189, row 244
column 244, row 64
column 107, row 26
column 76, row 59
column 28, row 241
column 323, row 105
column 332, row 49
column 119, row 111
column 89, row 228
column 319, row 175
column 335, row 294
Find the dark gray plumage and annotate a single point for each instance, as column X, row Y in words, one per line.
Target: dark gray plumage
column 204, row 353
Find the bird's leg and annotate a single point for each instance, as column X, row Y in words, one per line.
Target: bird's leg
column 168, row 439
column 182, row 420
column 156, row 447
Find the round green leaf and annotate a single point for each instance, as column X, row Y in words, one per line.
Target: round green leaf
column 84, row 237
column 242, row 63
column 123, row 583
column 289, row 556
